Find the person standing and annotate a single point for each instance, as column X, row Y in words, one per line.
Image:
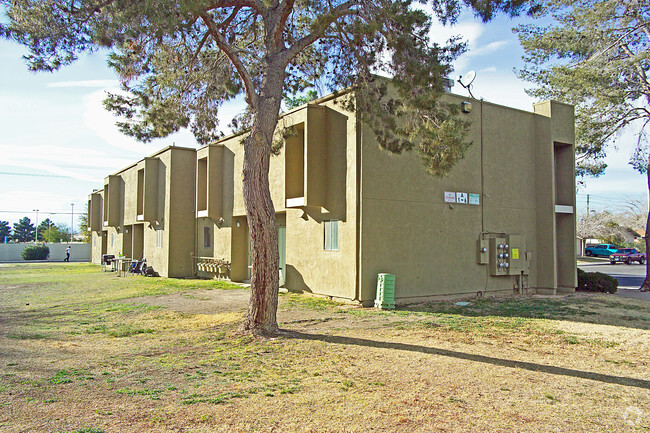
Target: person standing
column 67, row 254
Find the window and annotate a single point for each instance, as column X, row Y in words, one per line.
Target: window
column 206, row 237
column 331, row 235
column 159, row 238
column 140, row 210
column 202, row 185
column 112, row 240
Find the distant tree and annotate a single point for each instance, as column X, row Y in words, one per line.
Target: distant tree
column 24, row 230
column 45, row 230
column 64, row 232
column 5, row 231
column 83, row 226
column 609, row 227
column 596, row 56
column 180, row 61
column 52, row 233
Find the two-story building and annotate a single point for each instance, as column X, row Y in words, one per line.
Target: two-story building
column 503, row 219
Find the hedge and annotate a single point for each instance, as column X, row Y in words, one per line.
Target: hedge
column 35, row 252
column 596, row 282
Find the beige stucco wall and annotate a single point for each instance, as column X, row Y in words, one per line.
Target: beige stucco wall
column 408, row 229
column 179, row 212
column 96, row 219
column 172, row 193
column 309, row 266
column 329, row 177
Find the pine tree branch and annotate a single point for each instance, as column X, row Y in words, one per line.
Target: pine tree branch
column 320, row 26
column 197, row 50
column 258, row 6
column 640, row 72
column 225, row 23
column 251, row 95
column 614, row 44
column 287, row 8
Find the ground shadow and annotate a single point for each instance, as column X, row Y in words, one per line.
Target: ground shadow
column 531, row 366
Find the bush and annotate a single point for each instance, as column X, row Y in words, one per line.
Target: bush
column 35, row 252
column 596, row 282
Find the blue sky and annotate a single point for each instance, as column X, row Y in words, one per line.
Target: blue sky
column 58, row 143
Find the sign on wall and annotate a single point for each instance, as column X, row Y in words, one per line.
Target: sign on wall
column 462, row 198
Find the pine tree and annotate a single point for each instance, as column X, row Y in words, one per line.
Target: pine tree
column 24, row 230
column 5, row 231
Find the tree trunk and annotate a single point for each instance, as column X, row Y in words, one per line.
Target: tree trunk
column 262, row 307
column 645, row 287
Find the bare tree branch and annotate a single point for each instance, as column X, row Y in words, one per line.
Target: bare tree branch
column 249, row 87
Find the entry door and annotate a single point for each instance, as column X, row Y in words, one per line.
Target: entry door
column 282, row 252
column 127, row 241
column 104, row 242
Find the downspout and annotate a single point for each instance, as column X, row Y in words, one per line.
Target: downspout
column 357, row 268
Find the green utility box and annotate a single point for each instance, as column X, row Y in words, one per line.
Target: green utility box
column 385, row 298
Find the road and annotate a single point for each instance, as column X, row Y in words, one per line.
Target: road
column 629, row 277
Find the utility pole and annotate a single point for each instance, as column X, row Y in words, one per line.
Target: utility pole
column 36, row 235
column 587, row 204
column 72, row 222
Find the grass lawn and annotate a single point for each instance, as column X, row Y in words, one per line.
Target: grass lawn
column 85, row 351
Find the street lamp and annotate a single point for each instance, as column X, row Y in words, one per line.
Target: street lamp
column 72, row 222
column 36, row 235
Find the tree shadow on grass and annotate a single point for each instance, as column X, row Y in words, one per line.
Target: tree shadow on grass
column 531, row 366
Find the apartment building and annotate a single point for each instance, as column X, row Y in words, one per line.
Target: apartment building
column 503, row 219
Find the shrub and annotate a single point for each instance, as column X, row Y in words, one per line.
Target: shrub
column 596, row 282
column 35, row 252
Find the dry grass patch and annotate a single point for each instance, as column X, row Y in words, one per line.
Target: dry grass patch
column 106, row 354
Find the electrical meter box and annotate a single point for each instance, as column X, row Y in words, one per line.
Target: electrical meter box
column 483, row 252
column 517, row 259
column 499, row 256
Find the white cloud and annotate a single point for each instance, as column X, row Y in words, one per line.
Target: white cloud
column 467, row 30
column 489, row 69
column 85, row 83
column 102, row 124
column 90, row 164
column 486, row 49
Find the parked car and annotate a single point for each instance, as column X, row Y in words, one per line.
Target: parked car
column 627, row 256
column 604, row 250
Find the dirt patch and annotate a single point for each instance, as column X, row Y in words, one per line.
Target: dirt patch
column 198, row 301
